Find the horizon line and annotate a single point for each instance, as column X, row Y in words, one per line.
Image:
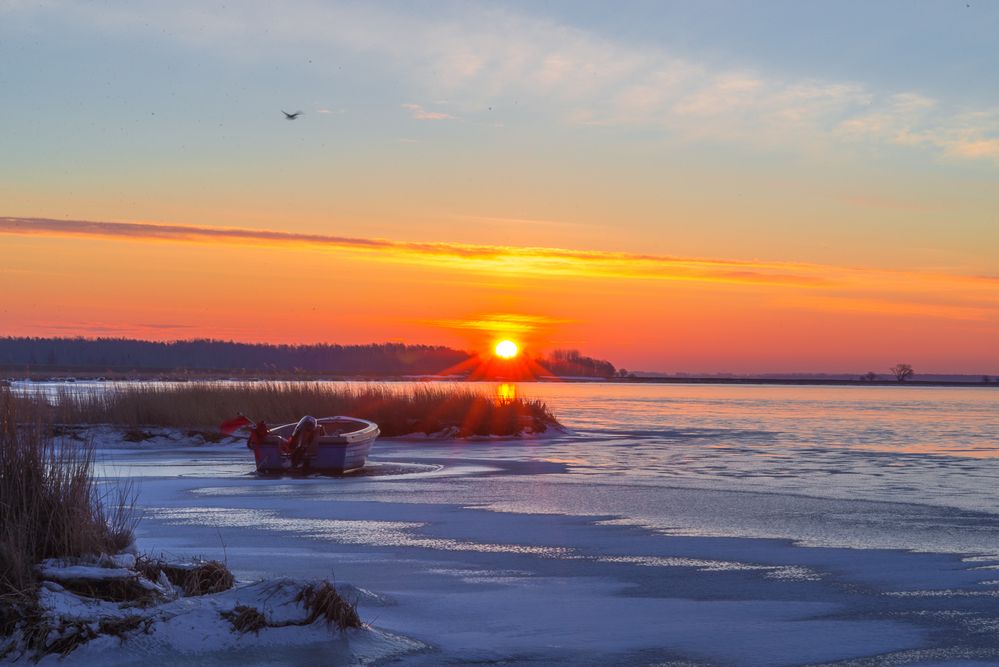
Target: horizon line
column 643, row 374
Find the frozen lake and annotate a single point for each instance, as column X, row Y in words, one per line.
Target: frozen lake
column 673, row 524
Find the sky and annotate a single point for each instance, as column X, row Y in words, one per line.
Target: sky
column 673, row 186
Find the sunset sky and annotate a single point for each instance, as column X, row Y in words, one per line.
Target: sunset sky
column 673, row 186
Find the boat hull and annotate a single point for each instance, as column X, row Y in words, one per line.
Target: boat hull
column 336, row 451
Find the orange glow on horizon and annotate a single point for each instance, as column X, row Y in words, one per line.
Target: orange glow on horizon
column 843, row 319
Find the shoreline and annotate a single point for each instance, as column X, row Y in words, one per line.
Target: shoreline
column 37, row 378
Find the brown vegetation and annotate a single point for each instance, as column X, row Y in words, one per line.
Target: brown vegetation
column 322, row 601
column 44, row 636
column 50, row 506
column 397, row 410
column 121, row 626
column 246, row 619
column 203, row 578
column 125, row 588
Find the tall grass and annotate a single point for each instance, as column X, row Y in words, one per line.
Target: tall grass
column 396, row 410
column 50, row 505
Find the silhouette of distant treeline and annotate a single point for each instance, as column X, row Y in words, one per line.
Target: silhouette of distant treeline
column 570, row 363
column 121, row 354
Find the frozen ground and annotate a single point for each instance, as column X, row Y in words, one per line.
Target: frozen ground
column 523, row 552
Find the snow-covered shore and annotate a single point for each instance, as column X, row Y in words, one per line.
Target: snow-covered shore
column 176, row 629
column 469, row 553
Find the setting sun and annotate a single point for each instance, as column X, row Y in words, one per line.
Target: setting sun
column 506, row 349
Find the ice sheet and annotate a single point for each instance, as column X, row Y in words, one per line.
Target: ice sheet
column 502, row 560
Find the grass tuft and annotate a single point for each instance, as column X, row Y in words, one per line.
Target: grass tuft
column 206, row 436
column 246, row 619
column 204, row 578
column 119, row 589
column 61, row 639
column 136, row 435
column 120, row 627
column 322, row 601
column 207, row 579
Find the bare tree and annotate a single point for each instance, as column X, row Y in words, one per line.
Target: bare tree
column 902, row 372
column 869, row 376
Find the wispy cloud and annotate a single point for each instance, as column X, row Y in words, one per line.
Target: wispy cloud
column 501, row 323
column 924, row 293
column 475, row 54
column 911, row 119
column 419, row 113
column 486, row 54
column 107, row 328
column 506, row 259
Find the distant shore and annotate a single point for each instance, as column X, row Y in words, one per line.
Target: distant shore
column 70, row 375
column 806, row 382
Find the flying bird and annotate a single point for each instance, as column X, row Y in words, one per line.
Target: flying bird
column 291, row 116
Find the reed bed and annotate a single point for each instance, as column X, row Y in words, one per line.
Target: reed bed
column 50, row 505
column 397, row 410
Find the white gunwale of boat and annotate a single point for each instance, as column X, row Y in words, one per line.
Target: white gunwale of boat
column 367, row 430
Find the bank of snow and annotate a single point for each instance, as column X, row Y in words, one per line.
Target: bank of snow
column 74, row 625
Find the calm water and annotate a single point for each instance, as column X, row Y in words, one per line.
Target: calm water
column 912, row 444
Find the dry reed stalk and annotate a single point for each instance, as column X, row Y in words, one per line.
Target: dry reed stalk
column 120, row 627
column 203, row 578
column 208, row 578
column 397, row 410
column 246, row 619
column 50, row 505
column 322, row 601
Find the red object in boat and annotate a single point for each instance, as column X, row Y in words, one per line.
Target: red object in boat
column 232, row 425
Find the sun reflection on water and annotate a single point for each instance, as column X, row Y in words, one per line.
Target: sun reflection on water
column 506, row 392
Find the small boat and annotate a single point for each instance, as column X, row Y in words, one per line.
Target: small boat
column 327, row 444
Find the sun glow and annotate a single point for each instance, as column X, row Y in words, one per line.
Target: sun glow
column 506, row 349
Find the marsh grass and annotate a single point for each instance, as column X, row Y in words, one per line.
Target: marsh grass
column 50, row 505
column 122, row 626
column 323, row 602
column 246, row 619
column 397, row 410
column 200, row 578
column 128, row 590
column 44, row 636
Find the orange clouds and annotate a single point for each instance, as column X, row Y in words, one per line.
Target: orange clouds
column 632, row 308
column 530, row 261
column 487, row 258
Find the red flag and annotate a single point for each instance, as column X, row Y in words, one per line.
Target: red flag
column 232, row 425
